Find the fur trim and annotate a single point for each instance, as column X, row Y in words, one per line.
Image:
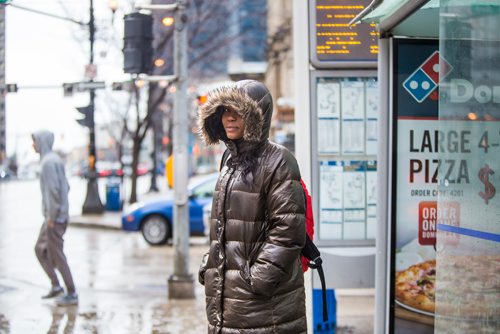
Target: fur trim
column 209, row 124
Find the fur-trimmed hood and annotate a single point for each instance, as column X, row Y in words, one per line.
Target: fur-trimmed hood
column 249, row 98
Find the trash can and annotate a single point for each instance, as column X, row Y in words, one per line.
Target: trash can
column 318, row 325
column 113, row 201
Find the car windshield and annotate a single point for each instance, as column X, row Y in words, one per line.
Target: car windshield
column 205, row 189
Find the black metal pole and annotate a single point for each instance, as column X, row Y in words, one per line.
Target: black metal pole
column 157, row 125
column 92, row 202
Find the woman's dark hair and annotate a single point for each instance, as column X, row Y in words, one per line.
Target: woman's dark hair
column 214, row 125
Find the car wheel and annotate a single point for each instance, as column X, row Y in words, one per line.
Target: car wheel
column 155, row 229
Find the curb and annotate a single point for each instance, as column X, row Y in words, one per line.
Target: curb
column 107, row 220
column 94, row 225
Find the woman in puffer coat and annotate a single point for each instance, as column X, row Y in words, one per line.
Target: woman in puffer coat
column 252, row 272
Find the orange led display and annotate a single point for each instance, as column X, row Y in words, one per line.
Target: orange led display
column 336, row 40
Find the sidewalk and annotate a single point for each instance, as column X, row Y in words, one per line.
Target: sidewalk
column 355, row 307
column 107, row 220
column 112, row 219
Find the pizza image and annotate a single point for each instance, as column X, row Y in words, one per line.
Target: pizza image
column 415, row 286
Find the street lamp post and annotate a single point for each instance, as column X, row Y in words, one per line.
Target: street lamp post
column 92, row 202
column 181, row 283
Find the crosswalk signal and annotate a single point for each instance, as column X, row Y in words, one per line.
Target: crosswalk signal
column 88, row 119
column 138, row 43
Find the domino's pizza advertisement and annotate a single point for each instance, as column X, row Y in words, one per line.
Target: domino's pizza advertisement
column 419, row 170
column 415, row 89
column 416, row 136
column 445, row 167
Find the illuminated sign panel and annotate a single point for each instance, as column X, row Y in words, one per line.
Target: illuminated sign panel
column 333, row 42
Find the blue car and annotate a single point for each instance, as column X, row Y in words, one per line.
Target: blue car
column 154, row 219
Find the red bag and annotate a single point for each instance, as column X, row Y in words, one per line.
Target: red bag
column 309, row 223
column 311, row 257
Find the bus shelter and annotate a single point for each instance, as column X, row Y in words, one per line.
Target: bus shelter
column 438, row 211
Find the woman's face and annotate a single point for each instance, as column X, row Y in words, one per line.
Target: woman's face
column 233, row 124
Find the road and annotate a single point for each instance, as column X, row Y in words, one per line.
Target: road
column 121, row 281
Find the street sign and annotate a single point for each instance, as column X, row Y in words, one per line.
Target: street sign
column 70, row 88
column 84, row 86
column 90, row 71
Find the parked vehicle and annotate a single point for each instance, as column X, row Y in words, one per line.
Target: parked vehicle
column 112, row 169
column 154, row 219
column 207, row 211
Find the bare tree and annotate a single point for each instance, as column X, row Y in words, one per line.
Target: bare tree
column 209, row 50
column 117, row 125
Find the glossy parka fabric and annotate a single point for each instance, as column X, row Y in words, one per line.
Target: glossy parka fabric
column 252, row 273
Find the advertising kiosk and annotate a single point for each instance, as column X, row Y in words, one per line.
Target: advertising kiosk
column 428, row 219
column 438, row 254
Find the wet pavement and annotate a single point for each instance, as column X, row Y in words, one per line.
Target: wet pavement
column 122, row 287
column 121, row 280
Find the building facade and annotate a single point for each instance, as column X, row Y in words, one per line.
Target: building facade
column 279, row 74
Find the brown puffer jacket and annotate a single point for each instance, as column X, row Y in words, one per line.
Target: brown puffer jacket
column 252, row 272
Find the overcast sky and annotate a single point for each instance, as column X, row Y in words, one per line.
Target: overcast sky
column 44, row 51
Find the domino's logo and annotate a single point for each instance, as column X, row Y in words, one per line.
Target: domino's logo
column 425, row 80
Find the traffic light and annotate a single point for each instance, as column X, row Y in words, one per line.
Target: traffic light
column 117, row 85
column 138, row 43
column 125, row 85
column 9, row 88
column 88, row 113
column 68, row 89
